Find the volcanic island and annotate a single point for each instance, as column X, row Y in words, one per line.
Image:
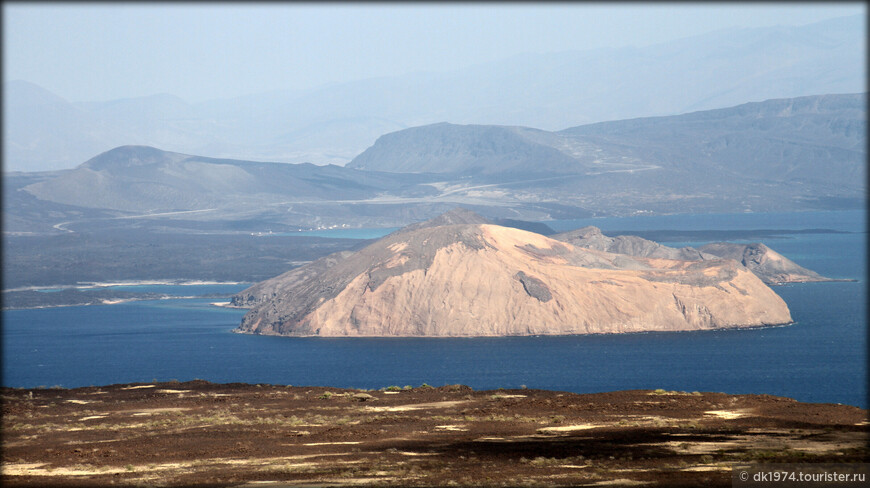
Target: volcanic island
column 460, row 276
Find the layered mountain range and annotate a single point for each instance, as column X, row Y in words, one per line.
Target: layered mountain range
column 552, row 91
column 459, row 276
column 779, row 155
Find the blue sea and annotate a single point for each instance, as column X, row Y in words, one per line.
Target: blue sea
column 820, row 358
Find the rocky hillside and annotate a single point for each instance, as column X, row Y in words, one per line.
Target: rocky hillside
column 274, row 287
column 817, row 141
column 488, row 280
column 147, row 179
column 468, row 150
column 767, row 264
column 591, row 238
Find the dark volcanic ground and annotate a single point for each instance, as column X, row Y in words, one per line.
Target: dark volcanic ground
column 203, row 434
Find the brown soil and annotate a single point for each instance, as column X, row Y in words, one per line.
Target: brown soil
column 203, row 434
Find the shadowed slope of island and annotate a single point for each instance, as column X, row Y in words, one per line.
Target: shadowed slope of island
column 204, row 434
column 473, row 279
column 764, row 262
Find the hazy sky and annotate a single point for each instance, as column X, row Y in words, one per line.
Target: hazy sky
column 201, row 51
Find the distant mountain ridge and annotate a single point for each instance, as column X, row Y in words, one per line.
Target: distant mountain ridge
column 467, row 150
column 811, row 139
column 552, row 91
column 146, row 179
column 779, row 155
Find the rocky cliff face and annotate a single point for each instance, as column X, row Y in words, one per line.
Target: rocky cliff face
column 487, row 280
column 764, row 262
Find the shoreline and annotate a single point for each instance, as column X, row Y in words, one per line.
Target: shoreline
column 238, row 330
column 90, row 285
column 117, row 301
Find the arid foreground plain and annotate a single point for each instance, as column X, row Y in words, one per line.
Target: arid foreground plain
column 205, row 434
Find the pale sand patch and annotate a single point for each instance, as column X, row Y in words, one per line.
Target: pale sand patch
column 518, row 438
column 569, row 428
column 92, row 417
column 152, row 411
column 621, row 482
column 138, row 387
column 398, row 247
column 417, row 453
column 702, row 447
column 457, row 428
column 391, row 392
column 382, row 476
column 173, row 391
column 648, row 419
column 763, row 441
column 39, row 469
column 498, row 395
column 17, row 469
column 417, row 406
column 726, row 414
column 79, row 402
column 80, row 442
column 332, row 443
column 707, row 468
column 831, row 442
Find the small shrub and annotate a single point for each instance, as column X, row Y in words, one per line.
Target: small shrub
column 326, row 395
column 544, row 461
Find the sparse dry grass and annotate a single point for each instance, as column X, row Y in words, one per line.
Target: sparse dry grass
column 256, row 436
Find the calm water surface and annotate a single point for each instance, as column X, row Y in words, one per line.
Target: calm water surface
column 821, row 358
